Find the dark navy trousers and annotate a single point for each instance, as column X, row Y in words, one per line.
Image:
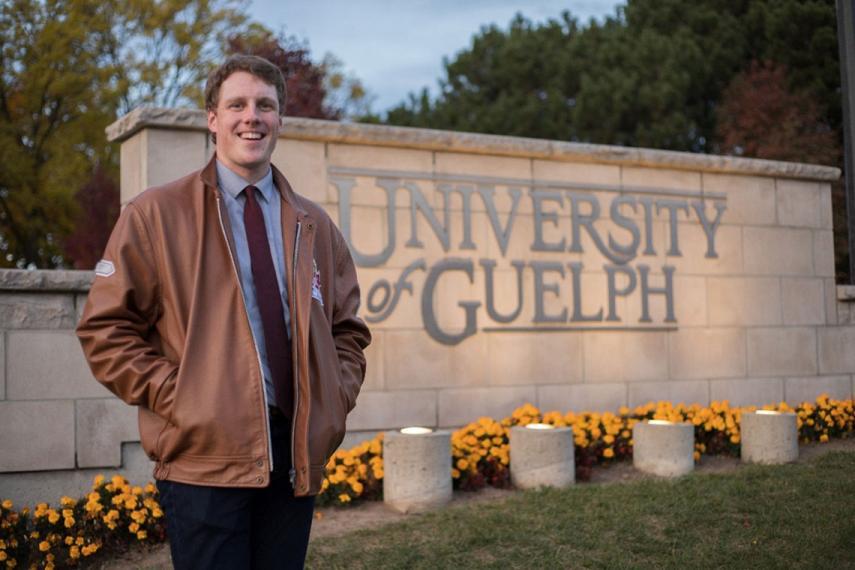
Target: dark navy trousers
column 219, row 527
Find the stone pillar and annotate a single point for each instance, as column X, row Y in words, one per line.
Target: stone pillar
column 769, row 437
column 417, row 470
column 663, row 448
column 542, row 455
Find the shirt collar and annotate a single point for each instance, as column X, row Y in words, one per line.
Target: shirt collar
column 233, row 184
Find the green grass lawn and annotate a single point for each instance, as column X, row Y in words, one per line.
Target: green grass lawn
column 791, row 516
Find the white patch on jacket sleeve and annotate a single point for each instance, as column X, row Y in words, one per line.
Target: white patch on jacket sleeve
column 104, row 268
column 316, row 284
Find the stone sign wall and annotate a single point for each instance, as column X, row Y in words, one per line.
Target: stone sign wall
column 495, row 271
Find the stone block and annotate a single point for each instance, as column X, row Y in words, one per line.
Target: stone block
column 102, row 426
column 380, row 158
column 750, row 199
column 2, row 366
column 748, row 391
column 132, row 155
column 823, row 253
column 769, row 437
column 482, row 165
column 798, row 203
column 662, row 180
column 696, row 354
column 374, row 363
column 304, row 165
column 778, row 251
column 36, row 436
column 21, row 310
column 581, row 398
column 803, row 301
column 79, row 305
column 392, row 410
column 663, row 448
column 413, row 360
column 577, row 173
column 829, row 291
column 781, row 351
column 825, row 207
column 33, row 487
column 625, row 356
column 417, row 471
column 528, row 359
column 460, row 406
column 676, row 391
column 171, row 154
column 844, row 314
column 836, row 354
column 48, row 365
column 542, row 457
column 806, row 389
column 693, row 245
column 744, row 301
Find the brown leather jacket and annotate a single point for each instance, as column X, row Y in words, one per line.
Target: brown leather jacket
column 165, row 329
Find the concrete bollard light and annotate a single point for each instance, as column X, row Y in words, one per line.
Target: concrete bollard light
column 417, row 469
column 769, row 437
column 663, row 448
column 542, row 455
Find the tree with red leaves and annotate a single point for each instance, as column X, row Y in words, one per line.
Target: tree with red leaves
column 98, row 210
column 761, row 117
column 315, row 90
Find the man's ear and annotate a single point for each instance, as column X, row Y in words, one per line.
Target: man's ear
column 212, row 121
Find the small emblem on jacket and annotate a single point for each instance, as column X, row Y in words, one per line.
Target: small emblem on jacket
column 316, row 283
column 104, row 268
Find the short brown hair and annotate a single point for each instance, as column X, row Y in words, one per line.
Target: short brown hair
column 253, row 64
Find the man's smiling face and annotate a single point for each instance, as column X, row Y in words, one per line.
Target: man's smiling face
column 246, row 122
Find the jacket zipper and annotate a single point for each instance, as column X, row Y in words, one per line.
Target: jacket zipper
column 295, row 353
column 254, row 344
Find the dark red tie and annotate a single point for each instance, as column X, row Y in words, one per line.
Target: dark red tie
column 267, row 293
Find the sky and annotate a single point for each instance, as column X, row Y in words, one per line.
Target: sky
column 396, row 47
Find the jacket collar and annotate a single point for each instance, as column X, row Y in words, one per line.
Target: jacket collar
column 209, row 179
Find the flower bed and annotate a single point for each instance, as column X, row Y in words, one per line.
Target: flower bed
column 115, row 514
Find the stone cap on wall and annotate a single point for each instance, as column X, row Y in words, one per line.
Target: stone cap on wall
column 54, row 280
column 451, row 141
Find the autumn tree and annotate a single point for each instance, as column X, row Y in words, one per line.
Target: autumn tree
column 761, row 117
column 315, row 90
column 98, row 210
column 67, row 69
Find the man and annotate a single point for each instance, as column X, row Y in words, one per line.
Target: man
column 225, row 309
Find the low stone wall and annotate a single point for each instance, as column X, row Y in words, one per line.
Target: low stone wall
column 495, row 271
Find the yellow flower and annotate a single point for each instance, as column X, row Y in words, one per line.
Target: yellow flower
column 609, row 439
column 455, row 474
column 74, row 552
column 462, row 464
column 2, row 555
column 7, row 504
column 608, row 452
column 141, row 535
column 69, row 522
column 133, row 527
column 734, row 439
column 44, row 546
column 53, row 516
column 67, row 502
column 823, row 438
column 344, row 498
column 150, row 489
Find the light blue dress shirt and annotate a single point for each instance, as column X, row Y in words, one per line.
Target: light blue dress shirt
column 231, row 189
